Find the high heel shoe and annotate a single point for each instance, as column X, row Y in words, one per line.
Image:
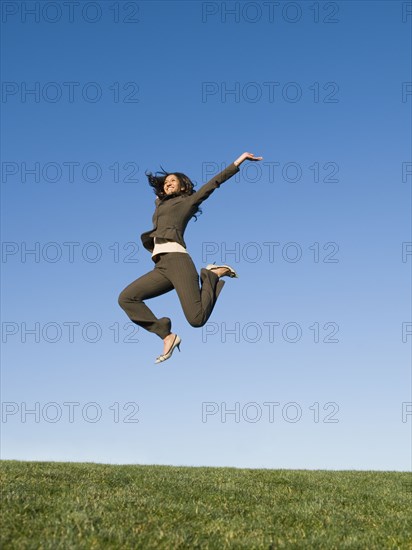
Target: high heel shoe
column 175, row 344
column 232, row 273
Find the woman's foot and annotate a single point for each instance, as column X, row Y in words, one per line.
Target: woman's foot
column 168, row 342
column 222, row 270
column 171, row 342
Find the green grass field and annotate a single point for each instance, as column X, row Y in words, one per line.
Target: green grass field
column 50, row 505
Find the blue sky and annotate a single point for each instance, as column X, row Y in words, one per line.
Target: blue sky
column 311, row 346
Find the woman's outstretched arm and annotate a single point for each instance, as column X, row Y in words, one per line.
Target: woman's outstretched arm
column 207, row 189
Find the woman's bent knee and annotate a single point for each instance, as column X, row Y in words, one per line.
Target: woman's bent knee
column 125, row 298
column 122, row 299
column 196, row 323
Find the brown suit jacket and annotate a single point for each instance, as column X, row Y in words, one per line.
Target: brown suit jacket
column 172, row 214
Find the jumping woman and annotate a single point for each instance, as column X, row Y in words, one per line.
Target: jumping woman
column 176, row 203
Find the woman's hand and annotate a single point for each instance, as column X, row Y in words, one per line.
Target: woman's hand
column 246, row 156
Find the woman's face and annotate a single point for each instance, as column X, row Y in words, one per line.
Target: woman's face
column 171, row 184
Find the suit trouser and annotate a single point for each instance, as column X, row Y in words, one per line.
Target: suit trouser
column 173, row 270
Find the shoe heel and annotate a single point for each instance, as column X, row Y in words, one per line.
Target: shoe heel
column 178, row 346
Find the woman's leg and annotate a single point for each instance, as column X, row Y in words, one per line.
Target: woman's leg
column 197, row 303
column 147, row 286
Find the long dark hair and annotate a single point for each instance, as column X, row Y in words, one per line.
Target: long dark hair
column 157, row 183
